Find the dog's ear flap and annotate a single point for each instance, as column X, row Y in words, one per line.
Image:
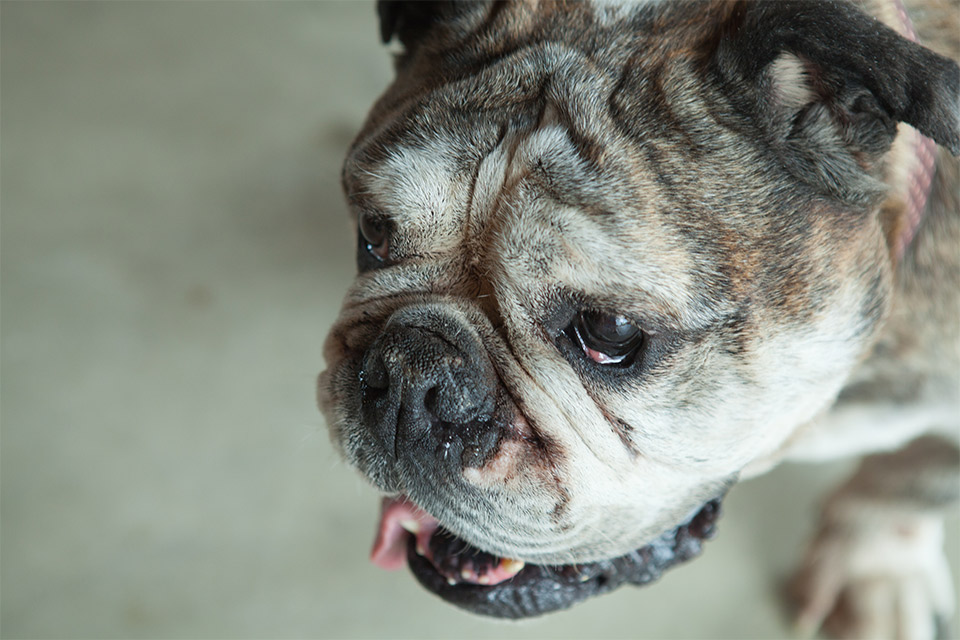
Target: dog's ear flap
column 827, row 60
column 406, row 19
column 411, row 20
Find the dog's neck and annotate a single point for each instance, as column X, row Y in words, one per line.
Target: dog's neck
column 912, row 161
column 910, row 169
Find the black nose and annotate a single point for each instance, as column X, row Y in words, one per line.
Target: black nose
column 430, row 391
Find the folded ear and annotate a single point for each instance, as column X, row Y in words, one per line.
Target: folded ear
column 411, row 20
column 407, row 20
column 829, row 84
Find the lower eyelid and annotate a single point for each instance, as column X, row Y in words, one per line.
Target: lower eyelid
column 601, row 358
column 597, row 356
column 382, row 251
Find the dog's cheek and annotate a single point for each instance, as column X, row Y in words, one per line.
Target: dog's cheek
column 805, row 365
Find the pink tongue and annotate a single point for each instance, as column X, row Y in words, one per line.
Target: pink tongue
column 399, row 519
column 390, row 547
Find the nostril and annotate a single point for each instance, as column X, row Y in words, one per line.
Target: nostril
column 430, row 401
column 374, row 373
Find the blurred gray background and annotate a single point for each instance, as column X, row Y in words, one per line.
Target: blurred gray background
column 174, row 248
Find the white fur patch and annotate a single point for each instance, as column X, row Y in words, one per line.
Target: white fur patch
column 417, row 181
column 610, row 12
column 866, row 428
column 791, row 81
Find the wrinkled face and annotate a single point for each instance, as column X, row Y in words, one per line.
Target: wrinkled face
column 589, row 293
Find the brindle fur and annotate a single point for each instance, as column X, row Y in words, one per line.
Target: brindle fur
column 722, row 172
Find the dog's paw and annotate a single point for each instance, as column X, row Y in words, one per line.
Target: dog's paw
column 877, row 579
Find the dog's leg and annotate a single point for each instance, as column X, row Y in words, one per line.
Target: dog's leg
column 876, row 568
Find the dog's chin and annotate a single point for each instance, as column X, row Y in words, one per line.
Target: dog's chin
column 504, row 588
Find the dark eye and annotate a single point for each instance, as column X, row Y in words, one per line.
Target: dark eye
column 606, row 338
column 374, row 234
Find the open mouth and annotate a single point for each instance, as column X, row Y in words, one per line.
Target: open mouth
column 506, row 588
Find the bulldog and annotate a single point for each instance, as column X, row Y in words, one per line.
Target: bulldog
column 615, row 257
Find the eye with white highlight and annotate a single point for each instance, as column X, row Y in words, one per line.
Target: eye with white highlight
column 607, row 339
column 374, row 236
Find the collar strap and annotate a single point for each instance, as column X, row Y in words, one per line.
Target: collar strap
column 919, row 183
column 922, row 165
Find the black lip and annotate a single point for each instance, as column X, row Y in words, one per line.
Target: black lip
column 540, row 589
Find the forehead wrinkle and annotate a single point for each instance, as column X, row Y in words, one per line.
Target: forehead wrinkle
column 616, row 220
column 486, row 189
column 616, row 217
column 515, row 157
column 561, row 248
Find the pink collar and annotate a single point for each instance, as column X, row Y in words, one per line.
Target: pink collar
column 921, row 173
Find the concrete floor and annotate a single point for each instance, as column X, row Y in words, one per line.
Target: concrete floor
column 174, row 247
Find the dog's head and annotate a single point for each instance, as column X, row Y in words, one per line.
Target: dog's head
column 609, row 257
